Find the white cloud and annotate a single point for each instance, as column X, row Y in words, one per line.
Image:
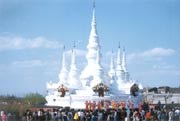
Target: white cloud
column 16, row 42
column 163, row 67
column 28, row 63
column 158, row 52
column 153, row 54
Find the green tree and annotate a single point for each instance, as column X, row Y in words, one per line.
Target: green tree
column 34, row 99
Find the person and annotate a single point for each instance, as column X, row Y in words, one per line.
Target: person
column 4, row 117
column 55, row 118
column 92, row 117
column 159, row 105
column 171, row 115
column 143, row 114
column 24, row 117
column 100, row 116
column 70, row 116
column 28, row 116
column 158, row 115
column 134, row 115
column 76, row 116
column 177, row 114
column 148, row 116
column 138, row 116
column 163, row 116
column 115, row 115
column 145, row 106
column 82, row 115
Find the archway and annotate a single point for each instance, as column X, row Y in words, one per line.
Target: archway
column 101, row 92
column 63, row 92
column 62, row 89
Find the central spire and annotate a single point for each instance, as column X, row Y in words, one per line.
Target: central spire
column 94, row 5
column 93, row 44
column 92, row 50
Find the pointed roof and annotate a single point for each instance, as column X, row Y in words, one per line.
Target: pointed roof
column 119, row 67
column 119, row 70
column 93, row 23
column 92, row 48
column 112, row 66
column 64, row 58
column 93, row 39
column 112, row 60
column 98, row 67
column 73, row 61
column 93, row 18
column 74, row 81
column 63, row 75
column 124, row 60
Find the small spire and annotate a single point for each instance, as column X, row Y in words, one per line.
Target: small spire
column 94, row 4
column 74, row 46
column 112, row 60
column 124, row 60
column 119, row 55
column 74, row 54
column 93, row 20
column 64, row 58
column 119, row 45
column 64, row 72
column 119, row 70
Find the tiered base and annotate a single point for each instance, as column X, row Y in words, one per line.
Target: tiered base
column 78, row 101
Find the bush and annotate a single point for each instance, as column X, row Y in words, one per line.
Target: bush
column 18, row 106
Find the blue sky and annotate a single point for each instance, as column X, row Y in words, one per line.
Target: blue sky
column 32, row 33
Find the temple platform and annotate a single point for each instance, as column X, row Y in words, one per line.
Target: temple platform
column 78, row 101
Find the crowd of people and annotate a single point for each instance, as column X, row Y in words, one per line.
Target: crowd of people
column 7, row 116
column 119, row 112
column 116, row 112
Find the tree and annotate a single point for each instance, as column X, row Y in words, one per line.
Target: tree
column 34, row 99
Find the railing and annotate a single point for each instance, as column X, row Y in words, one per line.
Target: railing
column 164, row 98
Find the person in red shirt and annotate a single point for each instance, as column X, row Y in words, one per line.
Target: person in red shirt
column 140, row 106
column 3, row 117
column 131, row 105
column 86, row 107
column 123, row 104
column 147, row 116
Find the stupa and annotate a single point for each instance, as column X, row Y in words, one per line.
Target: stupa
column 74, row 88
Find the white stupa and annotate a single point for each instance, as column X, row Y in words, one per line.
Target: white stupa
column 74, row 87
column 63, row 75
column 93, row 45
column 73, row 80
